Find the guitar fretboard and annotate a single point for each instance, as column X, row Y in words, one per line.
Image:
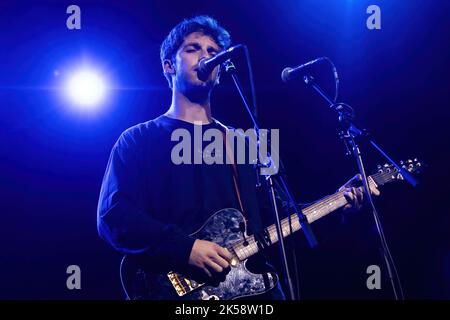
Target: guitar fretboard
column 321, row 208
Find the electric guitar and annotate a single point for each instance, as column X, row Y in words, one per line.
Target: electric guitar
column 225, row 228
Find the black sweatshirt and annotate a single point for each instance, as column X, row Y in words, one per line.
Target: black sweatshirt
column 149, row 205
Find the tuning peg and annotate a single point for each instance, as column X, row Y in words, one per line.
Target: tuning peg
column 401, row 162
column 409, row 161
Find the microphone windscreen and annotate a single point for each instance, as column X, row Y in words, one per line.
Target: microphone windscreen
column 285, row 74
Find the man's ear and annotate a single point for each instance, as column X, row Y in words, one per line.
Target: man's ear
column 169, row 67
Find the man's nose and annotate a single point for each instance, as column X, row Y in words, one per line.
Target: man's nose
column 205, row 55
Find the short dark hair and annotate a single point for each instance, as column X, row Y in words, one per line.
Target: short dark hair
column 205, row 24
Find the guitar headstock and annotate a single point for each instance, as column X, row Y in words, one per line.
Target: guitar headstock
column 389, row 173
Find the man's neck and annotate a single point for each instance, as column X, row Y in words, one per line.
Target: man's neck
column 183, row 108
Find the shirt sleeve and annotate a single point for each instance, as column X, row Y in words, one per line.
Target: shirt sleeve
column 123, row 219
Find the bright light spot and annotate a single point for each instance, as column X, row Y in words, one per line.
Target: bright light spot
column 86, row 88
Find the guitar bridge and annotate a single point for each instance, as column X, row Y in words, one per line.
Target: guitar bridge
column 181, row 284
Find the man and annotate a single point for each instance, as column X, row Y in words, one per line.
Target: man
column 148, row 205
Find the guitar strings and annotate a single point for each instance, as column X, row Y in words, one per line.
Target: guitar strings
column 310, row 212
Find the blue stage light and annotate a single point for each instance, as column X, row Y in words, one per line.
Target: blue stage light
column 86, row 88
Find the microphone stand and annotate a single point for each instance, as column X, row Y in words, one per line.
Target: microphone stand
column 269, row 179
column 348, row 132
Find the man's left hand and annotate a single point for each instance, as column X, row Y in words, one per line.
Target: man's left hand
column 355, row 195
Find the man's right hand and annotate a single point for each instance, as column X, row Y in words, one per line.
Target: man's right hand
column 210, row 257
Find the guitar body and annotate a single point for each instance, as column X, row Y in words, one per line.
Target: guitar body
column 223, row 228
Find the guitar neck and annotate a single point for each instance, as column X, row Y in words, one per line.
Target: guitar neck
column 313, row 212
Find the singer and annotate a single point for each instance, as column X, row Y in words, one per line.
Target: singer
column 149, row 207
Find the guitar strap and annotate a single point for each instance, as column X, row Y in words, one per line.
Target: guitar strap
column 230, row 155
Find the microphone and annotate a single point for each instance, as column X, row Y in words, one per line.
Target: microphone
column 206, row 66
column 290, row 73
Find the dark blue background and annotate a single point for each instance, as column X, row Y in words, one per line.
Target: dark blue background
column 52, row 157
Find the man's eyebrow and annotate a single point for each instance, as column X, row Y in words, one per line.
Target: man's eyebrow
column 215, row 49
column 197, row 45
column 193, row 44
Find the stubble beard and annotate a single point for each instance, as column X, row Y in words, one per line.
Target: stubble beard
column 196, row 92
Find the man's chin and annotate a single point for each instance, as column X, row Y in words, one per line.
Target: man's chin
column 207, row 83
column 198, row 91
column 202, row 85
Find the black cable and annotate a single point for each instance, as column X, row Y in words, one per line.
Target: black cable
column 251, row 80
column 336, row 78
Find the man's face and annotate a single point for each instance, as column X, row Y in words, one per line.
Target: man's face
column 195, row 47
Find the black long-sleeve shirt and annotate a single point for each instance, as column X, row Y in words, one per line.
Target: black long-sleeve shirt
column 149, row 205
